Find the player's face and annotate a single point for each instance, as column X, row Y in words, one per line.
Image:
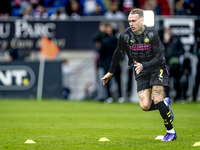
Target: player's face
column 135, row 22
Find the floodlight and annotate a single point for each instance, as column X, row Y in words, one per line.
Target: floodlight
column 149, row 18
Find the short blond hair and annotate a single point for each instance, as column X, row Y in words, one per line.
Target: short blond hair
column 137, row 11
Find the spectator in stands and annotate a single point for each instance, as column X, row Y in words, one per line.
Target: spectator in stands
column 59, row 15
column 127, row 5
column 114, row 13
column 195, row 5
column 98, row 11
column 97, row 39
column 153, row 5
column 73, row 9
column 35, row 3
column 89, row 6
column 197, row 79
column 108, row 3
column 50, row 3
column 181, row 8
column 27, row 12
column 130, row 80
column 5, row 8
column 173, row 51
column 22, row 8
column 66, row 70
column 186, row 71
column 109, row 44
column 40, row 12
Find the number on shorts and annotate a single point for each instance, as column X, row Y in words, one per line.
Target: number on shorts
column 161, row 73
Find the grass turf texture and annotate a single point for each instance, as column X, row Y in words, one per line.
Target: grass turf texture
column 62, row 125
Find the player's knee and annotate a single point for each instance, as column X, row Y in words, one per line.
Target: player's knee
column 156, row 101
column 145, row 107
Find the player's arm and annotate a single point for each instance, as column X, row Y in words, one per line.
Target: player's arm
column 157, row 49
column 115, row 60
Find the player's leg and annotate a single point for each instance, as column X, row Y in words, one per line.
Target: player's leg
column 159, row 79
column 158, row 92
column 144, row 91
column 145, row 99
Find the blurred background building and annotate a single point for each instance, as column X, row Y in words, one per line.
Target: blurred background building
column 77, row 28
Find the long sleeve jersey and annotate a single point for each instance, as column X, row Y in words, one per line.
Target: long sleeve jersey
column 145, row 48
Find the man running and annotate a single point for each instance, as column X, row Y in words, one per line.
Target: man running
column 145, row 52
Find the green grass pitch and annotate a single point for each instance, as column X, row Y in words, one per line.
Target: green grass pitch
column 72, row 125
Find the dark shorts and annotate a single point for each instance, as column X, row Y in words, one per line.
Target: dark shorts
column 146, row 81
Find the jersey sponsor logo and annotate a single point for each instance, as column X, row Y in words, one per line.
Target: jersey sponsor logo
column 146, row 40
column 140, row 47
column 132, row 41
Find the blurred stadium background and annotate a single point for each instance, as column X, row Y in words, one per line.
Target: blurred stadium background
column 62, row 120
column 24, row 22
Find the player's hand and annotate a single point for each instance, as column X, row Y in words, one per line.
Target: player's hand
column 138, row 67
column 106, row 77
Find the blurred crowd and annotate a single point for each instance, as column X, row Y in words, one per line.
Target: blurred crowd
column 111, row 9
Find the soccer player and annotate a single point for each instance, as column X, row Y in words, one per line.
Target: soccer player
column 145, row 52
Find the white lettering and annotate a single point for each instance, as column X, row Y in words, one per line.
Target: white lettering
column 21, row 44
column 4, row 44
column 20, row 27
column 181, row 31
column 16, row 77
column 35, row 30
column 4, row 33
column 38, row 43
column 59, row 42
column 19, row 74
column 7, row 78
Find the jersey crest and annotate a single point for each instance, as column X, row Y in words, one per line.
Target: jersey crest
column 132, row 41
column 146, row 40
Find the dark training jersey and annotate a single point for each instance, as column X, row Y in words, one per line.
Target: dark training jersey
column 145, row 48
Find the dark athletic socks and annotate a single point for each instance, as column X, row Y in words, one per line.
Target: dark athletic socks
column 165, row 113
column 152, row 107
